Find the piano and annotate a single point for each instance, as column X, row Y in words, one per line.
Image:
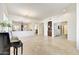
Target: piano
column 6, row 43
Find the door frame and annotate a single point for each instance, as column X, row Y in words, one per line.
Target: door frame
column 49, row 28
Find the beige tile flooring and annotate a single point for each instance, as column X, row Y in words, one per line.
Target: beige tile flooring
column 40, row 45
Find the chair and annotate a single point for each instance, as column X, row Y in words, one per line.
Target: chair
column 16, row 43
column 4, row 44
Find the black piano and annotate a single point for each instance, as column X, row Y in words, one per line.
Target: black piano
column 5, row 44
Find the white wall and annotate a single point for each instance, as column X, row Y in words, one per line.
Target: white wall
column 72, row 22
column 77, row 26
column 72, row 27
column 41, row 29
column 1, row 12
column 45, row 22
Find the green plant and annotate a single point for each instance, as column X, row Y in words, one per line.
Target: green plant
column 4, row 24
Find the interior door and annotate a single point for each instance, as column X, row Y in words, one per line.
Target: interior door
column 50, row 28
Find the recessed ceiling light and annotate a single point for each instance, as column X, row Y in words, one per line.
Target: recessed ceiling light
column 64, row 10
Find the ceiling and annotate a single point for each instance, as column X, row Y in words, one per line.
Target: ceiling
column 38, row 11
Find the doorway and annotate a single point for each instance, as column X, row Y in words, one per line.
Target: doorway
column 64, row 29
column 50, row 28
column 60, row 29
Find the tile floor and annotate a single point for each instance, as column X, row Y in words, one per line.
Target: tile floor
column 40, row 45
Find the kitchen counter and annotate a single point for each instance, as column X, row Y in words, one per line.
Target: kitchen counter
column 23, row 33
